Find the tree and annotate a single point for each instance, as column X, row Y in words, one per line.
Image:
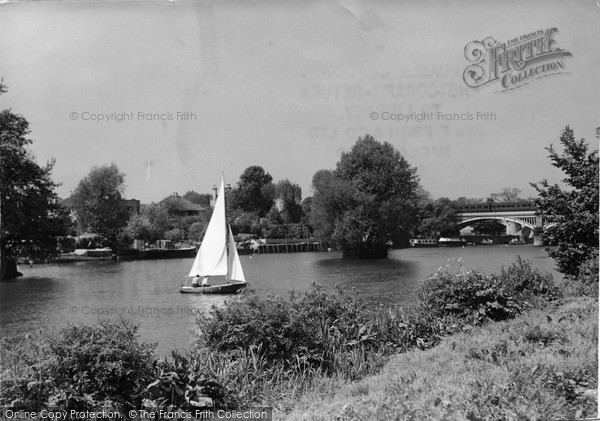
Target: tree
column 31, row 220
column 196, row 231
column 97, row 202
column 255, row 191
column 158, row 216
column 332, row 196
column 368, row 199
column 273, row 224
column 140, row 227
column 306, row 206
column 175, row 234
column 290, row 195
column 508, row 194
column 439, row 219
column 571, row 215
column 244, row 222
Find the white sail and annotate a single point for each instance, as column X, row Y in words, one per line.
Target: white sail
column 236, row 273
column 212, row 255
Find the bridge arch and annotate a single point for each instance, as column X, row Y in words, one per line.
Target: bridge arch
column 500, row 218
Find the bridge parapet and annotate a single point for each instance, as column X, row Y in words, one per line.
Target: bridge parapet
column 523, row 213
column 496, row 207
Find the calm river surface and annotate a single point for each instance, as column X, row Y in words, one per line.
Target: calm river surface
column 147, row 292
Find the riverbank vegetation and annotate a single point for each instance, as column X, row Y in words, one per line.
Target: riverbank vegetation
column 572, row 213
column 316, row 348
column 30, row 217
column 541, row 365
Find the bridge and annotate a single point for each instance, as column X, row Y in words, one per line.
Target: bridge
column 515, row 216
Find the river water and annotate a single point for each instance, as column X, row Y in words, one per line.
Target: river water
column 147, row 291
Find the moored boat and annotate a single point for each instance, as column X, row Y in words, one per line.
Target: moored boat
column 451, row 242
column 423, row 242
column 84, row 255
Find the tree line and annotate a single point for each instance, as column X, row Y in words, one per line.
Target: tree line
column 370, row 200
column 255, row 205
column 258, row 206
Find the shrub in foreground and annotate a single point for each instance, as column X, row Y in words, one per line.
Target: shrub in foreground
column 317, row 329
column 470, row 297
column 81, row 368
column 181, row 384
column 586, row 283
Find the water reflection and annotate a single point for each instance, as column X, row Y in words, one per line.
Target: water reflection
column 388, row 281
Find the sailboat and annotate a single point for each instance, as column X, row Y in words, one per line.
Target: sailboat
column 217, row 255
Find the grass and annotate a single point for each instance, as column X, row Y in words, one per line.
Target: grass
column 541, row 365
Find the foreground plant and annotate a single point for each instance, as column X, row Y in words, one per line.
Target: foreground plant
column 572, row 215
column 470, row 297
column 80, row 368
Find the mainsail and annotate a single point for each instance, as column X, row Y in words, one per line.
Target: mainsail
column 212, row 255
column 236, row 273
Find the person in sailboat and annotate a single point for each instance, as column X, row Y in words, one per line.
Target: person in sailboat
column 195, row 281
column 205, row 281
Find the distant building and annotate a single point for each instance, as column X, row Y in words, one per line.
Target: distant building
column 179, row 206
column 132, row 205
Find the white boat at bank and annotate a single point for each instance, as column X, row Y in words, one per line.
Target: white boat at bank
column 451, row 242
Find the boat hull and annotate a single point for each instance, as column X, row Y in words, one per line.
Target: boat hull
column 423, row 242
column 214, row 289
column 155, row 254
column 451, row 242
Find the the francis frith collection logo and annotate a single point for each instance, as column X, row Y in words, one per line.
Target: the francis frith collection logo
column 514, row 63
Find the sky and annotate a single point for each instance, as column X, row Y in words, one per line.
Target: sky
column 188, row 91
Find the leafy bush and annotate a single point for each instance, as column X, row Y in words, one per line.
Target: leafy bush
column 586, row 283
column 81, row 368
column 103, row 363
column 468, row 296
column 250, row 321
column 181, row 385
column 471, row 297
column 529, row 283
column 572, row 214
column 23, row 383
column 332, row 332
